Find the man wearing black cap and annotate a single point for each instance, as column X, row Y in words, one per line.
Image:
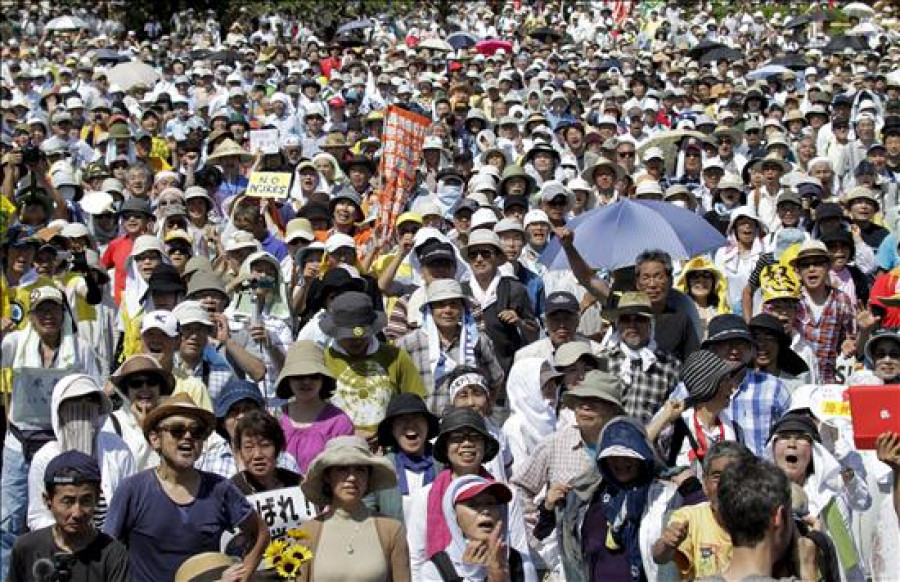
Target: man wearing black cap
column 562, row 314
column 70, row 549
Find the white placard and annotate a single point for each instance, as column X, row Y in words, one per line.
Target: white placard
column 265, row 140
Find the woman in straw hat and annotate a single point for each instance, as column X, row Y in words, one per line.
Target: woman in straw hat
column 309, row 420
column 349, row 533
column 231, row 159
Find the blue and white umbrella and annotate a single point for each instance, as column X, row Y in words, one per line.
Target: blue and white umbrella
column 767, row 71
column 613, row 236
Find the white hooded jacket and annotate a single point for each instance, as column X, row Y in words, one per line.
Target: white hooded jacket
column 113, row 455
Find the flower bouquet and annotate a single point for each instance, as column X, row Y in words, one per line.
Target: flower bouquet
column 287, row 556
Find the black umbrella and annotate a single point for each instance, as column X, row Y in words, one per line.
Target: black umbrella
column 609, row 64
column 545, row 34
column 704, row 47
column 839, row 43
column 111, row 56
column 350, row 40
column 199, row 54
column 721, row 54
column 791, row 61
column 461, row 40
column 360, row 24
column 227, row 57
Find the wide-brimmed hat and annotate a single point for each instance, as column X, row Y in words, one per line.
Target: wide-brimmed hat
column 205, row 566
column 570, row 352
column 304, row 358
column 595, row 384
column 346, row 451
column 701, row 373
column 400, row 405
column 203, row 280
column 364, row 161
column 588, row 174
column 179, row 404
column 143, row 364
column 347, row 193
column 811, row 248
column 444, row 290
column 788, row 360
column 136, row 205
column 456, row 418
column 236, row 390
column 541, row 147
column 726, row 327
column 352, row 315
column 228, row 148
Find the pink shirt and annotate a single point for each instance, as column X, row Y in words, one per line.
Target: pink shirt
column 305, row 443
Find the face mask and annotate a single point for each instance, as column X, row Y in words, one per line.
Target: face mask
column 449, row 194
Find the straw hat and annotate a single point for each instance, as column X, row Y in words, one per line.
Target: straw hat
column 205, row 566
column 228, row 148
column 178, row 405
column 304, row 358
column 143, row 364
column 341, row 452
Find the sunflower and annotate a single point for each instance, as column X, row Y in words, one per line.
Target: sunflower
column 299, row 552
column 274, row 552
column 288, row 567
column 297, row 534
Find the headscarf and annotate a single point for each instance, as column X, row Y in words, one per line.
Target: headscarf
column 720, row 289
column 624, row 503
column 533, row 417
column 277, row 305
column 458, row 541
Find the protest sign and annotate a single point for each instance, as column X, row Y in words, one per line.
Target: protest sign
column 280, row 509
column 264, row 140
column 404, row 132
column 269, row 185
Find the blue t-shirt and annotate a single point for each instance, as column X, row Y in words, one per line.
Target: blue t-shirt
column 160, row 534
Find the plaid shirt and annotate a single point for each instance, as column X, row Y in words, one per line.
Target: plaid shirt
column 759, row 402
column 218, row 457
column 437, row 399
column 648, row 390
column 837, row 323
column 558, row 458
column 212, row 369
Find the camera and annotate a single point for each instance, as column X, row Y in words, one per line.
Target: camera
column 31, row 156
column 63, row 563
column 79, row 263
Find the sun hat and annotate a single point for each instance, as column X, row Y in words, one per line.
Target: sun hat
column 337, row 241
column 788, row 360
column 401, row 405
column 205, row 566
column 241, row 239
column 136, row 205
column 701, row 373
column 481, row 219
column 143, row 364
column 74, row 230
column 236, row 390
column 189, row 311
column 810, row 249
column 162, row 320
column 570, row 352
column 304, row 358
column 588, row 174
column 444, row 290
column 433, row 253
column 595, row 384
column 632, row 303
column 227, row 148
column 165, row 278
column 352, row 315
column 509, row 225
column 341, row 452
column 206, row 280
column 484, row 237
column 726, row 327
column 796, row 422
column 535, row 216
column 180, row 404
column 552, row 189
column 147, row 242
column 455, row 418
column 299, row 228
column 861, row 193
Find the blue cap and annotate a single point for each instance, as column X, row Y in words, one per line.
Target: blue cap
column 233, row 392
column 72, row 468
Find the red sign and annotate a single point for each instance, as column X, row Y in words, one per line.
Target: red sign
column 404, row 132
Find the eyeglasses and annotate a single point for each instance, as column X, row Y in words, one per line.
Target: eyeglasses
column 141, row 382
column 179, row 431
column 475, row 253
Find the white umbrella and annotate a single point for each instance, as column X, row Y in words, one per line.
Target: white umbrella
column 127, row 75
column 435, row 44
column 865, row 29
column 67, row 22
column 859, row 10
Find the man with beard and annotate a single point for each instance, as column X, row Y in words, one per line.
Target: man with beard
column 646, row 372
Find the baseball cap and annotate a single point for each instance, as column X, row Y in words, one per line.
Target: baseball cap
column 71, row 468
column 561, row 301
column 46, row 293
column 241, row 239
column 190, row 311
column 162, row 320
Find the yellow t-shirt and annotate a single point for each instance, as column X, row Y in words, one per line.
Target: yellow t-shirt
column 196, row 389
column 706, row 551
column 404, row 271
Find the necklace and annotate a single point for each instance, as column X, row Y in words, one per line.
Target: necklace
column 349, row 544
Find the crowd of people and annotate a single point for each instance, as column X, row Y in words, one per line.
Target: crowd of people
column 203, row 383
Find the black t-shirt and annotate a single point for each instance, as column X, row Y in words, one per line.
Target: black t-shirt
column 104, row 559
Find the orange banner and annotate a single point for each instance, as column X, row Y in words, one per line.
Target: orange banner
column 401, row 142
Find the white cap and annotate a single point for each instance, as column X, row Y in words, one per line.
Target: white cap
column 241, row 239
column 509, row 225
column 536, row 215
column 653, row 153
column 162, row 320
column 483, row 217
column 337, row 241
column 96, row 202
column 191, row 312
column 74, row 230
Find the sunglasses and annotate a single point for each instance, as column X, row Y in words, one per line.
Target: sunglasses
column 141, row 382
column 486, row 253
column 625, row 154
column 179, row 431
column 179, row 250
